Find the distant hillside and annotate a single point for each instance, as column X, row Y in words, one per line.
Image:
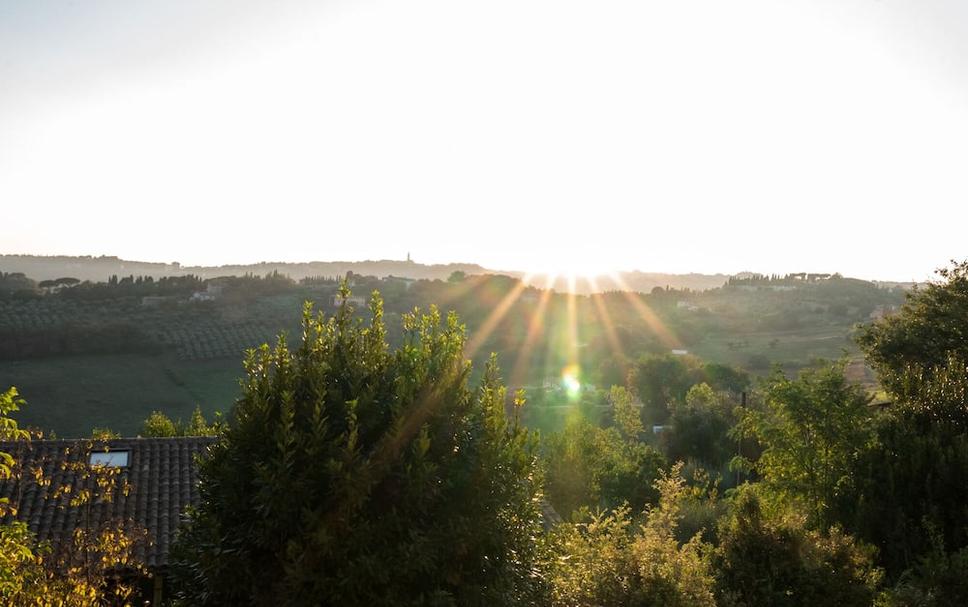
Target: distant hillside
column 642, row 282
column 99, row 269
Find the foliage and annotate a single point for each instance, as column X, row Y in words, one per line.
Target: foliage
column 627, row 418
column 938, row 578
column 15, row 282
column 594, row 467
column 700, row 428
column 352, row 474
column 10, row 402
column 84, row 574
column 95, row 569
column 660, row 380
column 160, row 425
column 911, row 478
column 931, row 325
column 98, row 433
column 909, row 494
column 725, row 378
column 773, row 560
column 811, row 431
column 604, row 561
column 700, row 505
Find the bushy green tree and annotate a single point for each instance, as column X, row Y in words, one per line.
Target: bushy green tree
column 606, row 560
column 626, row 415
column 160, row 425
column 909, row 483
column 938, row 578
column 700, row 428
column 811, row 431
column 594, row 467
column 771, row 559
column 908, row 494
column 660, row 380
column 931, row 326
column 350, row 474
column 725, row 378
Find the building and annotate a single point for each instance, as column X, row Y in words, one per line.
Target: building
column 211, row 293
column 161, row 480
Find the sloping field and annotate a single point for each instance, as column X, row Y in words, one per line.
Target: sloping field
column 73, row 394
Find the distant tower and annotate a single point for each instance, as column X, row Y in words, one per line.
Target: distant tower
column 408, row 257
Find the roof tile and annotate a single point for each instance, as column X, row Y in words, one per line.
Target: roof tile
column 161, row 476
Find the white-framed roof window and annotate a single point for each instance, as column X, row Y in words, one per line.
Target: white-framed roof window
column 112, row 459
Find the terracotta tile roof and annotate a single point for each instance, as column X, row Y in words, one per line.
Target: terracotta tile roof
column 161, row 474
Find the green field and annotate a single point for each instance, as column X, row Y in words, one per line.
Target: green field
column 792, row 349
column 70, row 395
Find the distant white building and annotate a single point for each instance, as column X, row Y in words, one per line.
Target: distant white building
column 680, row 352
column 211, row 293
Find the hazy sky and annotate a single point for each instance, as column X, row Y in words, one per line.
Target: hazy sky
column 666, row 136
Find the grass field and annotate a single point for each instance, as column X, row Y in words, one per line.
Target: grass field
column 73, row 394
column 792, row 349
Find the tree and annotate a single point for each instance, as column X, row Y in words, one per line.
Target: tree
column 700, row 428
column 725, row 377
column 908, row 484
column 593, row 467
column 457, row 276
column 659, row 380
column 160, row 425
column 604, row 560
column 930, row 326
column 909, row 494
column 937, row 578
column 351, row 474
column 771, row 559
column 95, row 568
column 626, row 414
column 810, row 432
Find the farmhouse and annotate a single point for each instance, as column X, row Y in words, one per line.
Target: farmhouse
column 155, row 482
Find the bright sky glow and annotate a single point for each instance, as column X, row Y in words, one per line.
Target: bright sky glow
column 706, row 136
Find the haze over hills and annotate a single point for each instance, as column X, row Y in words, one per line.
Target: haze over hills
column 99, row 269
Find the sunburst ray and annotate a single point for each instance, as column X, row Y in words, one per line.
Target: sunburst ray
column 490, row 323
column 664, row 333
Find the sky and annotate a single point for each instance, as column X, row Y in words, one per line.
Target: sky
column 666, row 136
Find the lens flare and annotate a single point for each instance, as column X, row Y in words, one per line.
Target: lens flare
column 570, row 382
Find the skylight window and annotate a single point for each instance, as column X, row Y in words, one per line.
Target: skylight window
column 112, row 459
